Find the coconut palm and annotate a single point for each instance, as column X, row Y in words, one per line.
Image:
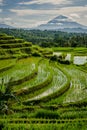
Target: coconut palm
column 6, row 97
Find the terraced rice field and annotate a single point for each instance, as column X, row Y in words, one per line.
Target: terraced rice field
column 5, row 63
column 49, row 95
column 78, row 85
column 58, row 81
column 42, row 73
column 22, row 69
column 45, row 88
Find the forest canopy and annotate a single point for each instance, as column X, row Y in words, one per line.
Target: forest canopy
column 49, row 38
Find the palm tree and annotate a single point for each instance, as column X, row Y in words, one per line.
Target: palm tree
column 6, row 97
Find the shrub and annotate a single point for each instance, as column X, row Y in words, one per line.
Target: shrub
column 36, row 54
column 47, row 114
column 64, row 61
column 1, row 126
column 54, row 58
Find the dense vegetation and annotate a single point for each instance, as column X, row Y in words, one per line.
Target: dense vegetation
column 49, row 38
column 11, row 47
column 41, row 89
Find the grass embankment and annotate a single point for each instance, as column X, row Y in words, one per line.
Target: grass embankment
column 62, row 126
column 58, row 91
column 58, row 86
column 13, row 48
column 78, row 87
column 7, row 64
column 38, row 84
column 75, row 51
column 20, row 72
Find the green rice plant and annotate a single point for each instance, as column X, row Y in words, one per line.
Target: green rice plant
column 83, row 67
column 6, row 64
column 21, row 52
column 60, row 95
column 5, row 37
column 11, row 41
column 6, row 46
column 62, row 49
column 78, row 85
column 74, row 114
column 59, row 82
column 43, row 78
column 62, row 126
column 48, row 114
column 23, row 68
column 5, row 96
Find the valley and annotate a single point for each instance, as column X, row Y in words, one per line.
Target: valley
column 42, row 88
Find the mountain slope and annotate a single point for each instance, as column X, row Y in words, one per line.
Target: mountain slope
column 5, row 26
column 62, row 23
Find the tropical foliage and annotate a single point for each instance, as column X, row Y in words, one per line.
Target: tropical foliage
column 38, row 89
column 49, row 38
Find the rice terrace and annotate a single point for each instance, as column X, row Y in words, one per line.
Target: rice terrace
column 42, row 88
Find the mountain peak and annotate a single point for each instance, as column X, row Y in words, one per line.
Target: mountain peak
column 62, row 22
column 61, row 17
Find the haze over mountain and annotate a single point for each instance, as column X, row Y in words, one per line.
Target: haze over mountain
column 59, row 23
column 63, row 23
column 5, row 26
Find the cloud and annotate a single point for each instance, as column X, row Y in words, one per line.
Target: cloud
column 0, row 10
column 40, row 22
column 6, row 20
column 66, row 10
column 79, row 2
column 54, row 2
column 33, row 12
column 26, row 23
column 1, row 2
column 32, row 18
column 74, row 15
column 85, row 16
column 75, row 9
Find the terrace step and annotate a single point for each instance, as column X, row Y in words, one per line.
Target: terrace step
column 78, row 87
column 59, row 85
column 7, row 64
column 42, row 121
column 15, row 52
column 10, row 47
column 11, row 41
column 16, row 45
column 6, row 37
column 22, row 76
column 43, row 79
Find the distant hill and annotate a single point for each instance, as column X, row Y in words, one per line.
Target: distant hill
column 63, row 23
column 5, row 26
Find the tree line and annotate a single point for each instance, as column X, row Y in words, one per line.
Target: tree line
column 49, row 38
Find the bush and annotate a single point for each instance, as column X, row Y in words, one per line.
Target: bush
column 54, row 58
column 47, row 114
column 59, row 59
column 1, row 126
column 36, row 54
column 64, row 61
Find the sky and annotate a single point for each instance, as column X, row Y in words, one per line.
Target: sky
column 31, row 13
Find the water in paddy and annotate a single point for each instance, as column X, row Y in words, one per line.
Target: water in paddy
column 77, row 60
column 80, row 60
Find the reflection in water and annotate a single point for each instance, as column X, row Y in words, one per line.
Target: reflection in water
column 80, row 60
column 68, row 57
column 57, row 53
